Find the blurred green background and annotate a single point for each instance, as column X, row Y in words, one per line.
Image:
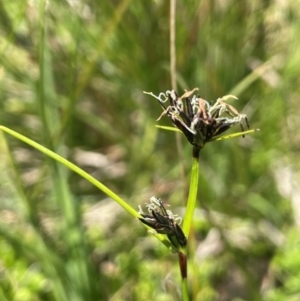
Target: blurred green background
column 72, row 76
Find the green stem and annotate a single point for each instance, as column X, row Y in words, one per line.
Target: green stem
column 184, row 289
column 187, row 223
column 182, row 260
column 191, row 203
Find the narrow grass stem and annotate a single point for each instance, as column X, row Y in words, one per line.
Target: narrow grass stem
column 172, row 44
column 73, row 167
column 83, row 174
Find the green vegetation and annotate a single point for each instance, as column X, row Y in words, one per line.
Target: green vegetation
column 72, row 76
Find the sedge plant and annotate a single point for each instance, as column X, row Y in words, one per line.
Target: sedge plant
column 201, row 122
column 198, row 120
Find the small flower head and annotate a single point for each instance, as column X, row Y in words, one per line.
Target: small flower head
column 164, row 222
column 199, row 120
